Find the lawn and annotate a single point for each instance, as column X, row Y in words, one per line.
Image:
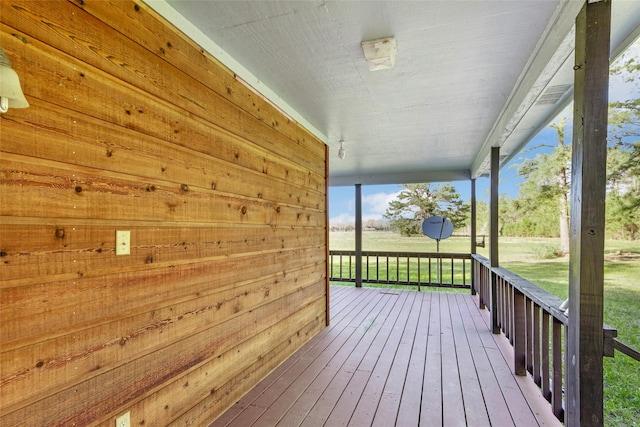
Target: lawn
column 526, row 257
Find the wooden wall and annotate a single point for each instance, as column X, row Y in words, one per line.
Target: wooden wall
column 134, row 127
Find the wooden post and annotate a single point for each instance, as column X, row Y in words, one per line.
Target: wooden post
column 493, row 239
column 588, row 191
column 358, row 235
column 327, row 285
column 473, row 233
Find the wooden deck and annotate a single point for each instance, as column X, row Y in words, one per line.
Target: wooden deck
column 401, row 358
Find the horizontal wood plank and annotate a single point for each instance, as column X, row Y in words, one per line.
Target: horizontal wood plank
column 219, row 162
column 62, row 192
column 88, row 245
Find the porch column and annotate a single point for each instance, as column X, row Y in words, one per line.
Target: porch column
column 585, row 348
column 493, row 238
column 473, row 233
column 358, row 235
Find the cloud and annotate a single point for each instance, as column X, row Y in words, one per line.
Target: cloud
column 373, row 208
column 376, row 204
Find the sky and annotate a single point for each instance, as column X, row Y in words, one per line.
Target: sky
column 376, row 198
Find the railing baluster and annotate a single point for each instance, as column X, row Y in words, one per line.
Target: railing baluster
column 452, row 279
column 509, row 315
column 500, row 301
column 366, row 275
column 387, row 266
column 481, row 280
column 408, row 272
column 505, row 307
column 464, row 272
column 556, row 390
column 546, row 390
column 519, row 332
column 529, row 332
column 510, row 295
column 535, row 342
column 502, row 304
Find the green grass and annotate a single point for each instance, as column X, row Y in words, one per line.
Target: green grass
column 524, row 256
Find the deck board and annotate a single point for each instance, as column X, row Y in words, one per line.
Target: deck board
column 395, row 357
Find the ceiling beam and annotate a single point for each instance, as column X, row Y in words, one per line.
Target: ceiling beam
column 553, row 48
column 400, row 178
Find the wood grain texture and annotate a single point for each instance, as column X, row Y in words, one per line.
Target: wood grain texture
column 585, row 340
column 132, row 126
column 348, row 374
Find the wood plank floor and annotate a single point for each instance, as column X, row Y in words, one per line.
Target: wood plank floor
column 395, row 357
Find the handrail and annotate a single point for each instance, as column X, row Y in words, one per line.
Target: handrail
column 544, row 299
column 421, row 269
column 626, row 349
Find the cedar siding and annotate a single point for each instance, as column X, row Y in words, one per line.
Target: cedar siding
column 134, row 127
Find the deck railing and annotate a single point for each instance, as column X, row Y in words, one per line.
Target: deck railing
column 421, row 269
column 536, row 328
column 530, row 318
column 528, row 315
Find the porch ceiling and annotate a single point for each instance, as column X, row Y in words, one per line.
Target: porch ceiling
column 469, row 75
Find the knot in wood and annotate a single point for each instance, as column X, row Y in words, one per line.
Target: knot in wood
column 60, row 233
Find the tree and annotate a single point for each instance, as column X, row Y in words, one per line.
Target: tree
column 563, row 185
column 623, row 157
column 523, row 217
column 547, row 183
column 417, row 202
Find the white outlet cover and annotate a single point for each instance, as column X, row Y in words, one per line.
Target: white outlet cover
column 123, row 242
column 124, row 420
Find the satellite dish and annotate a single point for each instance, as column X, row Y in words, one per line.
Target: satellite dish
column 437, row 227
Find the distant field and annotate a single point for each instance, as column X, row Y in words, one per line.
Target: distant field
column 524, row 256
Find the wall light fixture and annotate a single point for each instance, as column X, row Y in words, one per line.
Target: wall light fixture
column 11, row 95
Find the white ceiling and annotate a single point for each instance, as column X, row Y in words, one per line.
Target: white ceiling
column 468, row 74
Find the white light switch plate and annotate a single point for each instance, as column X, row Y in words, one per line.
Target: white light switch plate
column 123, row 242
column 123, row 420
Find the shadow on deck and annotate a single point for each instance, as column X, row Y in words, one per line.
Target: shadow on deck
column 397, row 357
